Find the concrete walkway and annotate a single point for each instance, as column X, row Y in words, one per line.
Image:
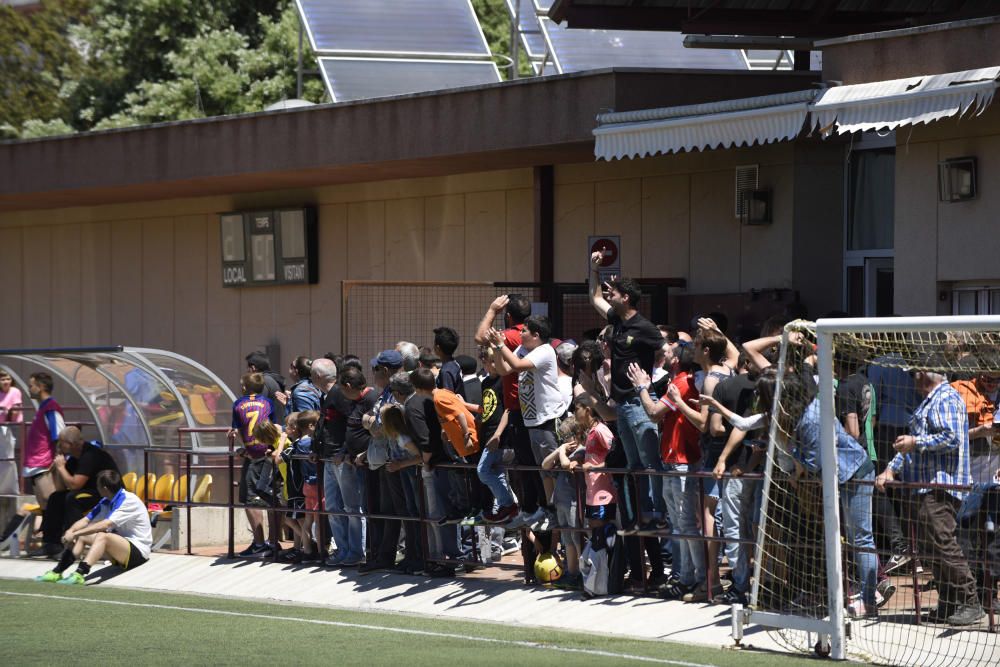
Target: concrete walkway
column 467, row 598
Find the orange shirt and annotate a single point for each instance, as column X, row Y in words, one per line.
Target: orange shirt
column 449, row 406
column 979, row 408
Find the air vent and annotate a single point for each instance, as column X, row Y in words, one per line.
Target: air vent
column 746, row 183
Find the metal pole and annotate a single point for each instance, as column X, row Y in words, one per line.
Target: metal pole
column 515, row 32
column 831, row 504
column 298, row 71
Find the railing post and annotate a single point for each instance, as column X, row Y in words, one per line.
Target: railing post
column 232, row 523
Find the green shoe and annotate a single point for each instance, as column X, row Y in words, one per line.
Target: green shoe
column 49, row 577
column 75, row 579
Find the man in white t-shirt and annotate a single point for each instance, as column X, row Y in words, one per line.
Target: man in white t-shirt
column 542, row 401
column 117, row 528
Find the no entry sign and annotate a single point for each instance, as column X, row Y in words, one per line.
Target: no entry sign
column 610, row 249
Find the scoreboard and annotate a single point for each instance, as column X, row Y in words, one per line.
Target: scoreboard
column 276, row 247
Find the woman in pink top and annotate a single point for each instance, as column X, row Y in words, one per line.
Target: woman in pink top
column 601, row 506
column 10, row 403
column 10, row 399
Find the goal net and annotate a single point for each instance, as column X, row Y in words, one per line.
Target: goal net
column 896, row 568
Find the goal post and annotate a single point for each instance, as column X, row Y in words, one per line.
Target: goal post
column 824, row 526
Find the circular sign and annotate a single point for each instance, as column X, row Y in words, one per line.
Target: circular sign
column 608, row 250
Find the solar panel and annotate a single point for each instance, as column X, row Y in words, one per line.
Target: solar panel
column 576, row 50
column 529, row 27
column 364, row 78
column 394, row 27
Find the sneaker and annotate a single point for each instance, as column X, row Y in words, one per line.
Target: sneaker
column 502, row 514
column 700, row 594
column 49, row 577
column 438, row 571
column 352, row 561
column 857, row 609
column 883, row 592
column 51, row 551
column 255, row 551
column 374, row 566
column 312, row 557
column 731, row 597
column 966, row 614
column 544, row 524
column 292, row 555
column 522, row 519
column 450, row 519
column 897, row 561
column 333, row 560
column 510, row 545
column 918, row 567
column 75, row 579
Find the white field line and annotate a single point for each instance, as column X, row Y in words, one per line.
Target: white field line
column 378, row 628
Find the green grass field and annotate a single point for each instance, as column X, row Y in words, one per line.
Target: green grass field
column 49, row 624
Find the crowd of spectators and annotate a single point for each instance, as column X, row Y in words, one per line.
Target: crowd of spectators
column 427, row 463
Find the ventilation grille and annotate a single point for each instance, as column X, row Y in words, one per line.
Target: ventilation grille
column 746, row 182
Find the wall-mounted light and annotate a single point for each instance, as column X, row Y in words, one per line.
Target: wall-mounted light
column 756, row 209
column 957, row 179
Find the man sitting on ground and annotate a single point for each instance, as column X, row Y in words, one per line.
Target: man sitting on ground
column 117, row 528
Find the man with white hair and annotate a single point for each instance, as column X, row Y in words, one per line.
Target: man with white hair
column 411, row 355
column 936, row 451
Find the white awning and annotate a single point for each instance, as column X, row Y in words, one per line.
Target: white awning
column 727, row 124
column 886, row 105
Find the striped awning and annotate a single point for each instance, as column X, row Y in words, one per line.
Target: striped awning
column 733, row 123
column 886, row 105
column 882, row 105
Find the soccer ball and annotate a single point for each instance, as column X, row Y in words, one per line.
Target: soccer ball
column 547, row 569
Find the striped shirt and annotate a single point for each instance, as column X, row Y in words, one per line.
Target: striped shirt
column 941, row 427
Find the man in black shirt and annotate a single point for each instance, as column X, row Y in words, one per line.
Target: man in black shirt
column 735, row 393
column 634, row 339
column 356, row 398
column 327, row 444
column 422, row 420
column 75, row 471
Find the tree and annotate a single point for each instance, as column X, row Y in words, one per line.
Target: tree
column 38, row 62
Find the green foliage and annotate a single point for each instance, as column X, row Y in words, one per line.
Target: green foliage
column 39, row 63
column 98, row 64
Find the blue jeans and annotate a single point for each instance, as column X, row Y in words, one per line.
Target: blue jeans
column 856, row 506
column 442, row 541
column 334, row 502
column 642, row 449
column 680, row 496
column 737, row 517
column 494, row 477
column 351, row 480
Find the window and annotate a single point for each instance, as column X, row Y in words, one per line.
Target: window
column 871, row 199
column 982, row 300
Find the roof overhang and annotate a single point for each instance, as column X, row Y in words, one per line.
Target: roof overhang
column 882, row 105
column 795, row 18
column 517, row 124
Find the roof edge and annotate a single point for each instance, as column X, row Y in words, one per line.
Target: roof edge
column 908, row 32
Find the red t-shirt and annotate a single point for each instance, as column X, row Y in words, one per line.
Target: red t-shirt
column 512, row 338
column 679, row 439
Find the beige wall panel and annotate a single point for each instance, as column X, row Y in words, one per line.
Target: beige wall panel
column 574, row 222
column 426, row 187
column 95, row 284
column 126, row 283
column 366, row 241
column 325, row 297
column 12, row 296
column 404, row 239
column 915, row 230
column 715, row 233
column 444, row 238
column 39, row 268
column 666, row 226
column 967, row 231
column 618, row 211
column 223, row 353
column 158, row 283
column 486, row 236
column 520, row 260
column 258, row 317
column 291, row 326
column 766, row 250
column 190, row 276
column 66, row 272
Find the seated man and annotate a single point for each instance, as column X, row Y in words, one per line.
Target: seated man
column 117, row 528
column 74, row 471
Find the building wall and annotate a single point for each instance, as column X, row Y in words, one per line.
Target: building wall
column 938, row 243
column 150, row 273
column 675, row 216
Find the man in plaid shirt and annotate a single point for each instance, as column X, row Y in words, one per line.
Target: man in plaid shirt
column 936, row 452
